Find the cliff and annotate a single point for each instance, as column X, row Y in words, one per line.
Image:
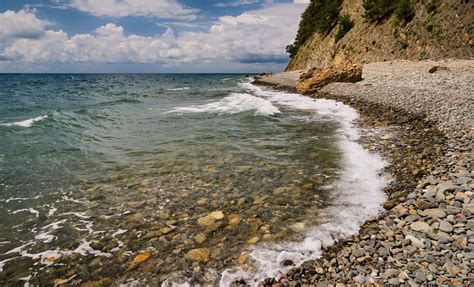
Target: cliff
column 437, row 29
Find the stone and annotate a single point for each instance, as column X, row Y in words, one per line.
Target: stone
column 242, row 259
column 415, row 241
column 298, row 227
column 315, row 79
column 359, row 252
column 420, row 226
column 286, row 262
column 390, row 233
column 142, row 257
column 166, row 230
column 253, row 240
column 199, row 254
column 200, row 238
column 394, row 281
column 446, row 186
column 451, row 268
column 234, row 219
column 153, row 234
column 445, row 226
column 432, row 212
column 206, row 220
column 137, row 217
column 279, row 191
column 217, row 215
column 389, row 204
column 391, row 273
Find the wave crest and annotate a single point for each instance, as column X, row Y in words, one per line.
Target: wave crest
column 232, row 104
column 25, row 123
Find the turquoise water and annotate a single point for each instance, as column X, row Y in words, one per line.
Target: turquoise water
column 92, row 165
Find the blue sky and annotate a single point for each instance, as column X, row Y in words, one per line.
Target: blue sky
column 146, row 35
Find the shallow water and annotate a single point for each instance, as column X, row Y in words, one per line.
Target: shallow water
column 97, row 169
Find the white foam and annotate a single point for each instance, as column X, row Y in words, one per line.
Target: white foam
column 179, row 89
column 30, row 210
column 234, row 103
column 356, row 196
column 26, row 123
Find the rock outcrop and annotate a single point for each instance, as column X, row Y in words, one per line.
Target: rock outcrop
column 316, row 78
column 439, row 29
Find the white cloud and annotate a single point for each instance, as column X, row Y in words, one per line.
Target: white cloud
column 301, row 1
column 254, row 37
column 21, row 24
column 123, row 8
column 236, row 3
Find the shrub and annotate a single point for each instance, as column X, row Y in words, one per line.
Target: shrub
column 404, row 10
column 377, row 10
column 320, row 16
column 345, row 25
column 432, row 7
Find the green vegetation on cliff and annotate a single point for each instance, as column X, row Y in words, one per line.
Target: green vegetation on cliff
column 320, row 17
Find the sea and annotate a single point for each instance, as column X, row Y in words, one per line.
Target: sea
column 173, row 179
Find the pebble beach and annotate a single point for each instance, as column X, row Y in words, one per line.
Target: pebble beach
column 423, row 114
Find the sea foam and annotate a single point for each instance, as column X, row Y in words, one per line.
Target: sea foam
column 25, row 123
column 356, row 196
column 179, row 89
column 232, row 104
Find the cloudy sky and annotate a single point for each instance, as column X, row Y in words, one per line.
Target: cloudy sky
column 147, row 35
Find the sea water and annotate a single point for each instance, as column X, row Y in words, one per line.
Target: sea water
column 98, row 169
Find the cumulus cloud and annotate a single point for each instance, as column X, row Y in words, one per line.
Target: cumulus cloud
column 21, row 24
column 254, row 37
column 123, row 8
column 236, row 3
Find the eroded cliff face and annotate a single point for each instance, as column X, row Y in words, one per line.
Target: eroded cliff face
column 448, row 32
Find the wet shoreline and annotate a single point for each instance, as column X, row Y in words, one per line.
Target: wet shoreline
column 424, row 236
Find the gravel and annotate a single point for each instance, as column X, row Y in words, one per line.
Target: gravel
column 425, row 235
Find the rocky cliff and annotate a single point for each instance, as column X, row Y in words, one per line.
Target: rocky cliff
column 438, row 29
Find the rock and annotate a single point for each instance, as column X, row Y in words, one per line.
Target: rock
column 166, row 230
column 153, row 234
column 259, row 200
column 137, row 217
column 420, row 277
column 389, row 204
column 253, row 240
column 242, row 259
column 206, row 221
column 432, row 212
column 390, row 233
column 298, row 227
column 420, row 226
column 359, row 252
column 279, row 191
column 415, row 241
column 234, row 219
column 445, row 226
column 142, row 257
column 98, row 283
column 391, row 273
column 217, row 215
column 446, row 186
column 200, row 238
column 451, row 268
column 199, row 254
column 394, row 281
column 286, row 262
column 318, row 78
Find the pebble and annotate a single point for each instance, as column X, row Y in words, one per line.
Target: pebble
column 199, row 254
column 420, row 226
column 445, row 226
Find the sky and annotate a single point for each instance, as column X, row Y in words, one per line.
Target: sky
column 196, row 36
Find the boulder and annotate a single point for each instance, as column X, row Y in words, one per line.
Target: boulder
column 315, row 79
